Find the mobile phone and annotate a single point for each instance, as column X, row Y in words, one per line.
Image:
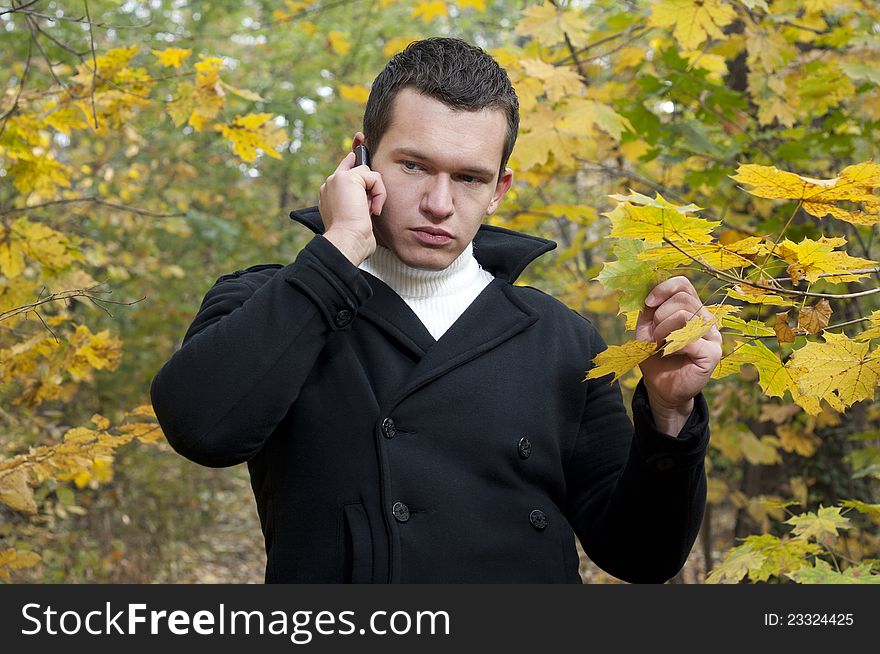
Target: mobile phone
column 362, row 156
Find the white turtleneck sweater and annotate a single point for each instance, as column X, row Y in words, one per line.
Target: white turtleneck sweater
column 437, row 297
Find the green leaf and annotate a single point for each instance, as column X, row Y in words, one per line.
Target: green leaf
column 822, row 573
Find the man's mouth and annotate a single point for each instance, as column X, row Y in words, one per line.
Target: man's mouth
column 432, row 235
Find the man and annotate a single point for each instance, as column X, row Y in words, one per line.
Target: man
column 406, row 413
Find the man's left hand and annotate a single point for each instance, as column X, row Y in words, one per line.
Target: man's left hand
column 674, row 380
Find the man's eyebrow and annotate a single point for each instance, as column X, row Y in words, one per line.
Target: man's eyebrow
column 477, row 171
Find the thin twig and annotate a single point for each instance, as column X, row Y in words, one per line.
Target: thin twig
column 18, row 8
column 308, row 11
column 94, row 63
column 68, row 19
column 802, row 332
column 629, row 30
column 34, row 29
column 865, row 271
column 27, row 66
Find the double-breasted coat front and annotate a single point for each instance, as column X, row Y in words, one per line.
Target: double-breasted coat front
column 378, row 454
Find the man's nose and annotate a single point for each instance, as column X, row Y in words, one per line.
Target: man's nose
column 437, row 199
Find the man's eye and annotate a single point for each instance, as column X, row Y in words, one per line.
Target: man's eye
column 411, row 165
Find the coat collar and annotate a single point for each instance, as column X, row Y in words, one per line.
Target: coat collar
column 503, row 252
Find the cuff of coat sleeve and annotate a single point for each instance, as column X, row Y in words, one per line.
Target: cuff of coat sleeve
column 663, row 452
column 330, row 280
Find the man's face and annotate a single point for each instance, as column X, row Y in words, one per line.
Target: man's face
column 440, row 169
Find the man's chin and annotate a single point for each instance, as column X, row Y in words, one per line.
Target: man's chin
column 427, row 258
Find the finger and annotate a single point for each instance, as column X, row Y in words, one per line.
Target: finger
column 703, row 353
column 714, row 336
column 346, row 164
column 664, row 290
column 375, row 188
column 677, row 320
column 645, row 325
column 678, row 301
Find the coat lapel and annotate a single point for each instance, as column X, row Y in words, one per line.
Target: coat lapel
column 387, row 310
column 496, row 316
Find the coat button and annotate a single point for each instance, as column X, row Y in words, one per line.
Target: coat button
column 524, row 447
column 400, row 511
column 538, row 519
column 665, row 464
column 342, row 318
column 389, row 429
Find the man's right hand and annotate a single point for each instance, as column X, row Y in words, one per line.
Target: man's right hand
column 347, row 200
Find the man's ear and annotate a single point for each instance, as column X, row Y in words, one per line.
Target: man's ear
column 359, row 139
column 501, row 188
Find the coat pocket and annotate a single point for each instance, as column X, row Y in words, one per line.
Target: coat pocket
column 357, row 545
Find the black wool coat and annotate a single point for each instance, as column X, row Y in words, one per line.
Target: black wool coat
column 378, row 454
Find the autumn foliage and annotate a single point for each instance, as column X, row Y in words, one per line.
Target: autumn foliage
column 144, row 151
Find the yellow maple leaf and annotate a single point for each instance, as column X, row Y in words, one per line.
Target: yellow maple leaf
column 338, row 42
column 767, row 47
column 873, row 330
column 816, row 258
column 172, row 57
column 798, row 440
column 558, row 81
column 49, row 247
column 819, row 196
column 763, row 451
column 580, row 115
column 540, row 138
column 693, row 330
column 92, row 352
column 757, row 296
column 693, row 21
column 143, row 410
column 752, row 328
column 722, row 311
column 775, row 97
column 253, row 131
column 430, row 10
column 146, row 432
column 478, row 5
column 67, row 119
column 11, row 258
column 550, row 25
column 774, row 377
column 840, row 370
column 39, row 174
column 619, row 359
column 354, row 93
column 656, row 219
column 208, row 95
column 718, row 256
column 820, row 525
column 714, row 64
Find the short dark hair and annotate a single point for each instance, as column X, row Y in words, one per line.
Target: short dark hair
column 458, row 74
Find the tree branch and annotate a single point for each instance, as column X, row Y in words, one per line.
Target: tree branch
column 62, row 295
column 114, row 205
column 727, row 277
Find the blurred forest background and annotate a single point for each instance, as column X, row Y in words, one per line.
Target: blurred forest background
column 146, row 148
